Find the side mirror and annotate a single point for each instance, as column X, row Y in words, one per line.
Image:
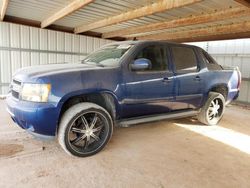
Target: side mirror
column 140, row 64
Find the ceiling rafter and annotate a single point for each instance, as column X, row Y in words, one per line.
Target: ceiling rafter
column 162, row 5
column 241, row 27
column 4, row 8
column 186, row 21
column 70, row 8
column 244, row 2
column 215, row 37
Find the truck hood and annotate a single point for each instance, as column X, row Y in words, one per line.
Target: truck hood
column 47, row 70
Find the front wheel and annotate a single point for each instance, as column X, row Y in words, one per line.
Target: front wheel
column 85, row 129
column 213, row 110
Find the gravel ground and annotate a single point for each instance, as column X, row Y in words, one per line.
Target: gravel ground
column 177, row 153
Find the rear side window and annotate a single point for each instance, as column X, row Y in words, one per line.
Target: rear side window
column 157, row 56
column 210, row 62
column 184, row 59
column 207, row 58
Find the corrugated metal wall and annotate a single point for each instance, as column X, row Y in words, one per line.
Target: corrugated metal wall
column 22, row 46
column 232, row 53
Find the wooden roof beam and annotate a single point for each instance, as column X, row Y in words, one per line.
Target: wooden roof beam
column 244, row 2
column 161, row 6
column 3, row 9
column 215, row 37
column 70, row 8
column 191, row 20
column 233, row 29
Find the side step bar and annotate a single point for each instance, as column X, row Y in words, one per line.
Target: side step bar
column 146, row 119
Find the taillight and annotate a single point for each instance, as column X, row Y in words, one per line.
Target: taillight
column 239, row 78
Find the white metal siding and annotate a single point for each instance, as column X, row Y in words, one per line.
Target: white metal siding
column 22, row 46
column 232, row 53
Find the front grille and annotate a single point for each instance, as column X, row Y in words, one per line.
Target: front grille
column 15, row 88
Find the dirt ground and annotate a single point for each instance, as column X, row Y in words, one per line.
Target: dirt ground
column 176, row 153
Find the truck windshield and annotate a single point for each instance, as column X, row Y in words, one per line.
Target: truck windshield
column 108, row 56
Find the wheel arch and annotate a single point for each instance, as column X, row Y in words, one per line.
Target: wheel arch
column 220, row 88
column 105, row 99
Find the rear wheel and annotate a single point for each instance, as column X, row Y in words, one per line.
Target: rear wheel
column 213, row 110
column 85, row 129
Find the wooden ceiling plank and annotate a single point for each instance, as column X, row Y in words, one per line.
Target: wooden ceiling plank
column 70, row 8
column 162, row 5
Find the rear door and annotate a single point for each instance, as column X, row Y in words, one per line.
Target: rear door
column 189, row 78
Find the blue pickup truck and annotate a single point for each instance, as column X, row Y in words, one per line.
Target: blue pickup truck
column 121, row 84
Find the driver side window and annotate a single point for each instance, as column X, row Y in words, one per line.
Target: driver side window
column 157, row 56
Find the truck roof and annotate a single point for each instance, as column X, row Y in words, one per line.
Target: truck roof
column 149, row 41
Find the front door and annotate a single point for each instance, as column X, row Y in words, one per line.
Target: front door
column 150, row 91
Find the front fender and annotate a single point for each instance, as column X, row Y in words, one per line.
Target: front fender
column 77, row 93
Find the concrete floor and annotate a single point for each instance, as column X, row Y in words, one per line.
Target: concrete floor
column 177, row 153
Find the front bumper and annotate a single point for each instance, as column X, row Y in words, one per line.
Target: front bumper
column 39, row 119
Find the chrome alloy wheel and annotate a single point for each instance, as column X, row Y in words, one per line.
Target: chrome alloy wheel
column 215, row 110
column 88, row 132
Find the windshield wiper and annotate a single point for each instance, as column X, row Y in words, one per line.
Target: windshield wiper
column 99, row 65
column 93, row 63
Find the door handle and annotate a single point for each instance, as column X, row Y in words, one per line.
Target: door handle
column 197, row 78
column 167, row 79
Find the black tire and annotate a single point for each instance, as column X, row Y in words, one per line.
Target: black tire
column 213, row 110
column 85, row 129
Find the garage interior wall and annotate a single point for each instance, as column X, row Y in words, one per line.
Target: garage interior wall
column 22, row 46
column 232, row 53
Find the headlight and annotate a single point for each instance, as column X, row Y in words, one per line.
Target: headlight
column 35, row 92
